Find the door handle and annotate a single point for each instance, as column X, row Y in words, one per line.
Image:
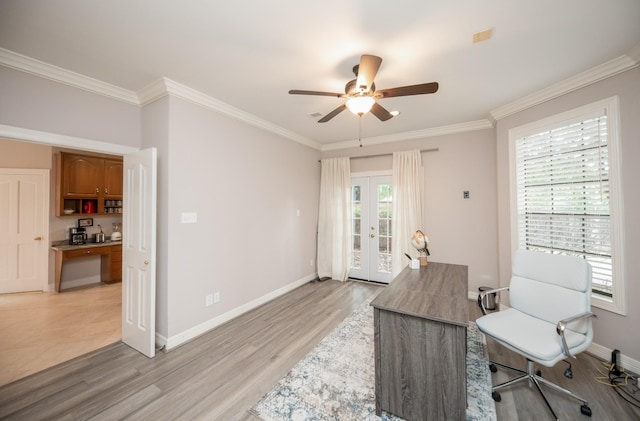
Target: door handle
column 146, row 262
column 38, row 238
column 372, row 235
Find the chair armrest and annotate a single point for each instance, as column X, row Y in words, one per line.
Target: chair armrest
column 484, row 293
column 562, row 325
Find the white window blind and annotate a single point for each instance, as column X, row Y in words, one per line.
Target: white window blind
column 563, row 196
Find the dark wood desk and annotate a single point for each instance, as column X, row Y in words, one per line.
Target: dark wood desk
column 420, row 340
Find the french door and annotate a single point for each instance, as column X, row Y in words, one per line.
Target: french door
column 371, row 228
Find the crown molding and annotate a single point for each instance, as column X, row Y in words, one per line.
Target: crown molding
column 165, row 86
column 417, row 134
column 603, row 71
column 58, row 74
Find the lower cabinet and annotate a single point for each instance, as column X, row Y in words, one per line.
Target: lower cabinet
column 112, row 265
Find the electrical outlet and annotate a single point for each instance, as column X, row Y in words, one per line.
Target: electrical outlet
column 216, row 297
column 208, row 301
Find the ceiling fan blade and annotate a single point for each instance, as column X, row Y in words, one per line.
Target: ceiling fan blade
column 423, row 88
column 367, row 71
column 299, row 92
column 380, row 112
column 332, row 114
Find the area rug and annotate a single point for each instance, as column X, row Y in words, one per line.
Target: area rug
column 335, row 381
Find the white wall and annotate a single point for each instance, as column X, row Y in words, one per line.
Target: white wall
column 461, row 231
column 612, row 331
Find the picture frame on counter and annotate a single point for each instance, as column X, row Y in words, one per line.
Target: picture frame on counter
column 85, row 222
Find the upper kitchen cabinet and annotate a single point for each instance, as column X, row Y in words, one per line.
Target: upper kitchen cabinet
column 113, row 169
column 88, row 184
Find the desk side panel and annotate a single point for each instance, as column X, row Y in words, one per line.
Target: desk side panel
column 423, row 368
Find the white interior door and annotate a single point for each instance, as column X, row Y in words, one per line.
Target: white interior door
column 139, row 251
column 24, row 229
column 371, row 228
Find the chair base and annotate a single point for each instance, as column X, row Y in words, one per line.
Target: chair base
column 536, row 379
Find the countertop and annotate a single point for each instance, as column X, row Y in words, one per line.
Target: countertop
column 64, row 246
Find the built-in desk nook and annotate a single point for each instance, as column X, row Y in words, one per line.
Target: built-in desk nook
column 111, row 259
column 420, row 325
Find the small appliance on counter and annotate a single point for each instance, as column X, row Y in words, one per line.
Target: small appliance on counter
column 100, row 237
column 116, row 235
column 77, row 235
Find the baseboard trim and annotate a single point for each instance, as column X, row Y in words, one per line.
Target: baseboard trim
column 174, row 341
column 595, row 349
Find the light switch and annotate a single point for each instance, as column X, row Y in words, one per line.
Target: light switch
column 189, row 217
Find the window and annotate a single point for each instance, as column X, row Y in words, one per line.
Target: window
column 566, row 193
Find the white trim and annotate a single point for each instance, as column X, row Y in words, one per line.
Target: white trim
column 417, row 134
column 191, row 333
column 588, row 77
column 53, row 139
column 604, row 353
column 611, row 105
column 371, row 173
column 58, row 74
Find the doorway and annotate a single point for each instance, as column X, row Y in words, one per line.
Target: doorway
column 372, row 204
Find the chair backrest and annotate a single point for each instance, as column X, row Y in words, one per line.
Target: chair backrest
column 551, row 287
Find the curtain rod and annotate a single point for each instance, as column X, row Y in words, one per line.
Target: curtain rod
column 388, row 153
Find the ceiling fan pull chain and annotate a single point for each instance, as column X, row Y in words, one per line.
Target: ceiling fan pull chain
column 360, row 130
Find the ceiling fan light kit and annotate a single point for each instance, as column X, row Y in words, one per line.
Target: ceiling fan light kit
column 360, row 105
column 361, row 92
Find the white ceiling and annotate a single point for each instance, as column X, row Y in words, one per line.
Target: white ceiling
column 248, row 54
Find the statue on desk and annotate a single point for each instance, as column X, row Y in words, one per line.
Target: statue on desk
column 421, row 242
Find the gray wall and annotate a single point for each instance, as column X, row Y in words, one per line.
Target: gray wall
column 461, row 231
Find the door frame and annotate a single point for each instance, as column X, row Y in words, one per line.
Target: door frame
column 370, row 174
column 63, row 141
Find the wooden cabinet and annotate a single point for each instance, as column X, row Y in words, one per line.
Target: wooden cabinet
column 112, row 265
column 88, row 184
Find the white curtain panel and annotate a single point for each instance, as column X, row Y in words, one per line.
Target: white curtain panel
column 407, row 206
column 334, row 220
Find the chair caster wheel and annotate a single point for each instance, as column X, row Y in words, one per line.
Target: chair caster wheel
column 493, row 368
column 585, row 410
column 539, row 373
column 496, row 397
column 568, row 373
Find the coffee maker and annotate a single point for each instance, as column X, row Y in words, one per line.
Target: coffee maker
column 77, row 235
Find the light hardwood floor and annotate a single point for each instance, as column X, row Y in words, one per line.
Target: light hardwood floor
column 223, row 373
column 42, row 329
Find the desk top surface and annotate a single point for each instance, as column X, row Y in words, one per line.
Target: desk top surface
column 437, row 291
column 68, row 247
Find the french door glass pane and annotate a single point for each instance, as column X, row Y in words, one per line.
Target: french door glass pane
column 384, row 227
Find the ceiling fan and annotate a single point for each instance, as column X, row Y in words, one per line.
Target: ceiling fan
column 361, row 92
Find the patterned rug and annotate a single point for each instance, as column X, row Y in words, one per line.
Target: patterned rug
column 336, row 380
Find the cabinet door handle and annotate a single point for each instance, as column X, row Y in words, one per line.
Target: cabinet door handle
column 97, row 190
column 38, row 238
column 106, row 190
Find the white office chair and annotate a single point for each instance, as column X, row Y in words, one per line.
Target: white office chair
column 549, row 318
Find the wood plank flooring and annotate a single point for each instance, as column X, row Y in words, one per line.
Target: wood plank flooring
column 223, row 373
column 42, row 329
